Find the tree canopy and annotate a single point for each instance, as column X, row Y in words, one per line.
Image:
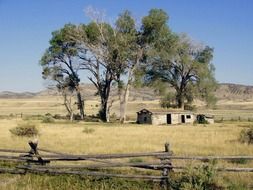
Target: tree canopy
column 122, row 53
column 60, row 64
column 189, row 70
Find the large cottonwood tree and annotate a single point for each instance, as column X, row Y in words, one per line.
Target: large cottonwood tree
column 96, row 57
column 59, row 62
column 189, row 71
column 141, row 42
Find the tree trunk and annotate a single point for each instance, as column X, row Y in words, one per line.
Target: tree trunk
column 70, row 112
column 103, row 110
column 123, row 103
column 128, row 86
column 180, row 100
column 80, row 102
column 104, row 95
column 67, row 105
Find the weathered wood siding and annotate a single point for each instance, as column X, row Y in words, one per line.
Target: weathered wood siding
column 143, row 118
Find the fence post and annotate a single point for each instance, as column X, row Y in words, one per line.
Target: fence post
column 165, row 172
column 34, row 151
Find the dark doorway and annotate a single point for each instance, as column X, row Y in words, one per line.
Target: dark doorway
column 183, row 118
column 168, row 118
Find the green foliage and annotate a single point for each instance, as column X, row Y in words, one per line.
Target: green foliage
column 73, row 182
column 8, row 164
column 168, row 100
column 92, row 32
column 154, row 23
column 235, row 186
column 112, row 51
column 25, row 129
column 246, row 136
column 200, row 178
column 186, row 68
column 59, row 62
column 201, row 119
column 88, row 130
column 125, row 23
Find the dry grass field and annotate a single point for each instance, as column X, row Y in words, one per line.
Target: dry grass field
column 217, row 139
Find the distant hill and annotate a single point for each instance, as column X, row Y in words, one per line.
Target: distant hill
column 234, row 92
column 16, row 95
column 226, row 91
column 89, row 91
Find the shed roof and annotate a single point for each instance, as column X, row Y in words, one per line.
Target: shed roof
column 164, row 111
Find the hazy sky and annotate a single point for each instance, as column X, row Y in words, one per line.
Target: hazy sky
column 26, row 26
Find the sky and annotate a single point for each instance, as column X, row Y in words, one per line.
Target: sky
column 26, row 27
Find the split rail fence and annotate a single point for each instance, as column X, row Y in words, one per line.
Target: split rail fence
column 37, row 160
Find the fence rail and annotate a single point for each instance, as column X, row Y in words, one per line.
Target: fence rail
column 34, row 162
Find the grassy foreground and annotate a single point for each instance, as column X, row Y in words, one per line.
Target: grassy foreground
column 216, row 139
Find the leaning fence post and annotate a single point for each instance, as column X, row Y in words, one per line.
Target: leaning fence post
column 34, row 151
column 165, row 172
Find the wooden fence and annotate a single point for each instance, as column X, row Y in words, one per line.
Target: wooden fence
column 40, row 161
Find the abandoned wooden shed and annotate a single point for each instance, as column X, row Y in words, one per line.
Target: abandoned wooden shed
column 159, row 117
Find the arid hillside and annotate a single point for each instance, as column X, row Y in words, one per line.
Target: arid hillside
column 234, row 92
column 226, row 91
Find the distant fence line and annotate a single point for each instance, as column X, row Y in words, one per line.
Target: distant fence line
column 34, row 162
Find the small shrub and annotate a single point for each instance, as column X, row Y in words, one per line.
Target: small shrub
column 250, row 119
column 48, row 119
column 88, row 130
column 27, row 130
column 246, row 136
column 201, row 119
column 200, row 178
column 48, row 114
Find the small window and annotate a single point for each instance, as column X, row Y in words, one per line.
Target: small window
column 188, row 116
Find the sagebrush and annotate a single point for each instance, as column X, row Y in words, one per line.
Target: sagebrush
column 25, row 129
column 246, row 136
